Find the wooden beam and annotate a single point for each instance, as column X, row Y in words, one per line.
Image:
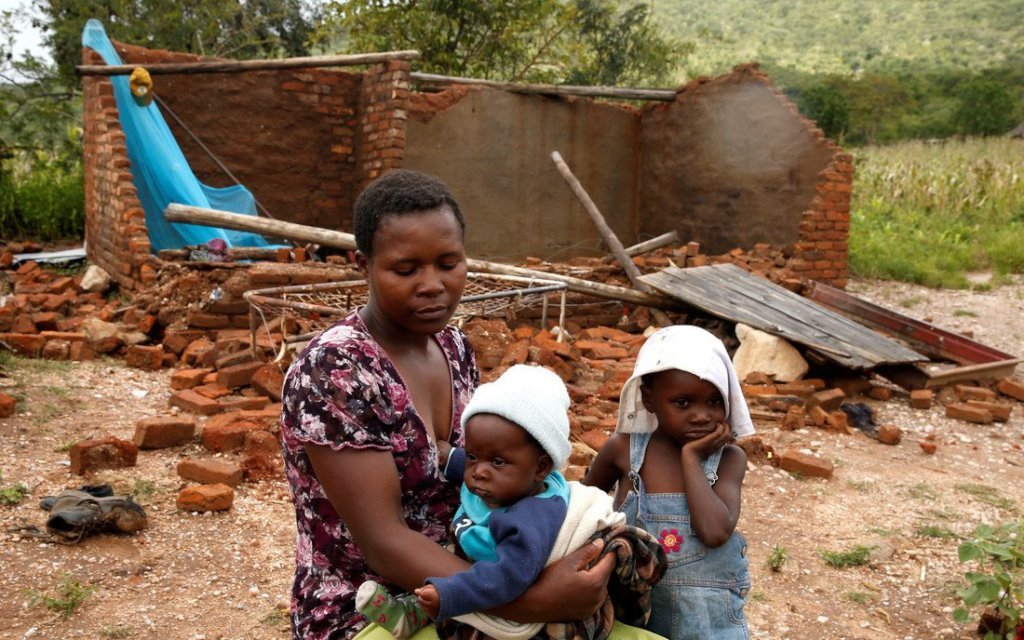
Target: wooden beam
column 239, row 66
column 340, row 240
column 657, row 242
column 620, row 93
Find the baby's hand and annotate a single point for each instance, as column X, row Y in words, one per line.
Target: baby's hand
column 429, row 599
column 720, row 436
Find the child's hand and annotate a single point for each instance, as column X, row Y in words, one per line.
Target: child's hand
column 429, row 599
column 720, row 436
column 444, row 449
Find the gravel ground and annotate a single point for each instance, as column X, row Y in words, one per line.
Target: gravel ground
column 227, row 575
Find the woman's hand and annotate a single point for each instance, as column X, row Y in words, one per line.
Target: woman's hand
column 572, row 588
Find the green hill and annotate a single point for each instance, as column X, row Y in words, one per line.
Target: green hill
column 842, row 37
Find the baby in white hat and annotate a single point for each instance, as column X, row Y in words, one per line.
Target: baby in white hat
column 514, row 504
column 679, row 476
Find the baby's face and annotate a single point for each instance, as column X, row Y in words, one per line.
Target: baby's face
column 687, row 407
column 503, row 466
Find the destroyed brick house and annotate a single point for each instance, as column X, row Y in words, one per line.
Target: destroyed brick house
column 726, row 163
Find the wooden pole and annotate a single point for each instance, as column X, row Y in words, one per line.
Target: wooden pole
column 340, row 240
column 621, row 93
column 607, row 234
column 239, row 66
column 658, row 242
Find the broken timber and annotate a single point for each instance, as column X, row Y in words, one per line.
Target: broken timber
column 340, row 240
column 238, row 66
column 978, row 360
column 729, row 292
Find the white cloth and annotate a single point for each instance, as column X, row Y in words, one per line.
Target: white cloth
column 590, row 510
column 535, row 399
column 695, row 351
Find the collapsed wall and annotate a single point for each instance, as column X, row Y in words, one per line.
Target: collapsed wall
column 728, row 163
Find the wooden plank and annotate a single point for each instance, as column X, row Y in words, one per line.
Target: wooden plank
column 620, row 93
column 925, row 337
column 730, row 292
column 237, row 66
column 910, row 376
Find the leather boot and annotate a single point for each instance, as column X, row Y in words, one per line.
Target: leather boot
column 75, row 514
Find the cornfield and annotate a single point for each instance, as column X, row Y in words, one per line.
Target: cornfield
column 933, row 212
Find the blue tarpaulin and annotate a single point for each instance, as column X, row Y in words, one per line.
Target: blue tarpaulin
column 160, row 171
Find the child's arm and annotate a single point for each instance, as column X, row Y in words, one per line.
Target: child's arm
column 611, row 463
column 714, row 510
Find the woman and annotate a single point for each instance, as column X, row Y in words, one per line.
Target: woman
column 366, row 406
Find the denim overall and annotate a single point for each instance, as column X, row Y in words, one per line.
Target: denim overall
column 703, row 592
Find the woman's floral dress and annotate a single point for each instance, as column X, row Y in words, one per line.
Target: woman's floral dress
column 344, row 392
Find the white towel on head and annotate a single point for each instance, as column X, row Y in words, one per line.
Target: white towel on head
column 689, row 349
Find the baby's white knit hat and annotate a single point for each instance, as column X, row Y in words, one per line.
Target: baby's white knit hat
column 535, row 399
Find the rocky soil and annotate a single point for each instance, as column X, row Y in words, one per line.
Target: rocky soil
column 227, row 575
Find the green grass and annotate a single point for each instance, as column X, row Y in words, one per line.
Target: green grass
column 854, row 557
column 41, row 200
column 13, row 495
column 69, row 595
column 922, row 491
column 116, row 632
column 860, row 597
column 143, row 490
column 776, row 558
column 988, row 495
column 934, row 531
column 931, row 213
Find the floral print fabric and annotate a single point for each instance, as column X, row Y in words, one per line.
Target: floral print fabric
column 344, row 392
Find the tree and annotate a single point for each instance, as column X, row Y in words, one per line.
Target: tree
column 827, row 105
column 985, row 107
column 584, row 41
column 219, row 28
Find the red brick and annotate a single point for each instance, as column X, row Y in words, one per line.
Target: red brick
column 81, row 351
column 268, row 380
column 1011, row 387
column 795, row 419
column 817, row 415
column 188, row 378
column 262, row 456
column 102, row 453
column 206, row 497
column 210, row 471
column 963, row 411
column 966, row 393
column 921, row 398
column 192, row 402
column 238, row 375
column 7, row 405
column 1000, row 412
column 212, row 391
column 56, row 350
column 239, row 403
column 24, row 344
column 221, row 438
column 877, row 392
column 144, row 357
column 928, row 447
column 160, row 433
column 829, row 399
column 804, row 464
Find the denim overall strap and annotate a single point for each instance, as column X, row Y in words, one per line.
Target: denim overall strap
column 637, row 451
column 711, row 465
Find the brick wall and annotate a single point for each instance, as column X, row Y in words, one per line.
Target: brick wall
column 115, row 225
column 383, row 113
column 822, row 250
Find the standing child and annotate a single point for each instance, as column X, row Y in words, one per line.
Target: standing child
column 679, row 477
column 517, row 514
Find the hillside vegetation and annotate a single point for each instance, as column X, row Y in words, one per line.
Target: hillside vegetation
column 842, row 37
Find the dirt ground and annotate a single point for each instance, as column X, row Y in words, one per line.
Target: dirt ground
column 227, row 575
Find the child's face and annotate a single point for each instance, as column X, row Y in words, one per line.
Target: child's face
column 687, row 407
column 417, row 272
column 503, row 466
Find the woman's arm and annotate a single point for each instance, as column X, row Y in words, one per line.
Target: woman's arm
column 363, row 488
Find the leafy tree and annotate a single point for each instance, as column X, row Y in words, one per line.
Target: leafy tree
column 585, row 41
column 985, row 107
column 827, row 104
column 227, row 28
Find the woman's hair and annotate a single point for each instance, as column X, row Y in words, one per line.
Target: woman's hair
column 397, row 193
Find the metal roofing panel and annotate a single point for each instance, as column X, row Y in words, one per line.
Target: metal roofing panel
column 728, row 291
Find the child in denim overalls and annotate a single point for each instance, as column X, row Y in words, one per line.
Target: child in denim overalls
column 679, row 477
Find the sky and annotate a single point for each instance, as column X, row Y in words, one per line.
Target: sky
column 28, row 39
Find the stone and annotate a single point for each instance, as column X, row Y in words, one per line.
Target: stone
column 928, row 447
column 878, row 392
column 97, row 331
column 102, row 453
column 805, row 464
column 161, row 433
column 210, row 471
column 768, row 354
column 95, row 280
column 8, row 405
column 206, row 497
column 890, row 434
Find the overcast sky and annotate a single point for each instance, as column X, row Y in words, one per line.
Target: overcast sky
column 28, row 39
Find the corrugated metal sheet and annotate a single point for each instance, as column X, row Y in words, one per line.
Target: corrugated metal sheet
column 728, row 291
